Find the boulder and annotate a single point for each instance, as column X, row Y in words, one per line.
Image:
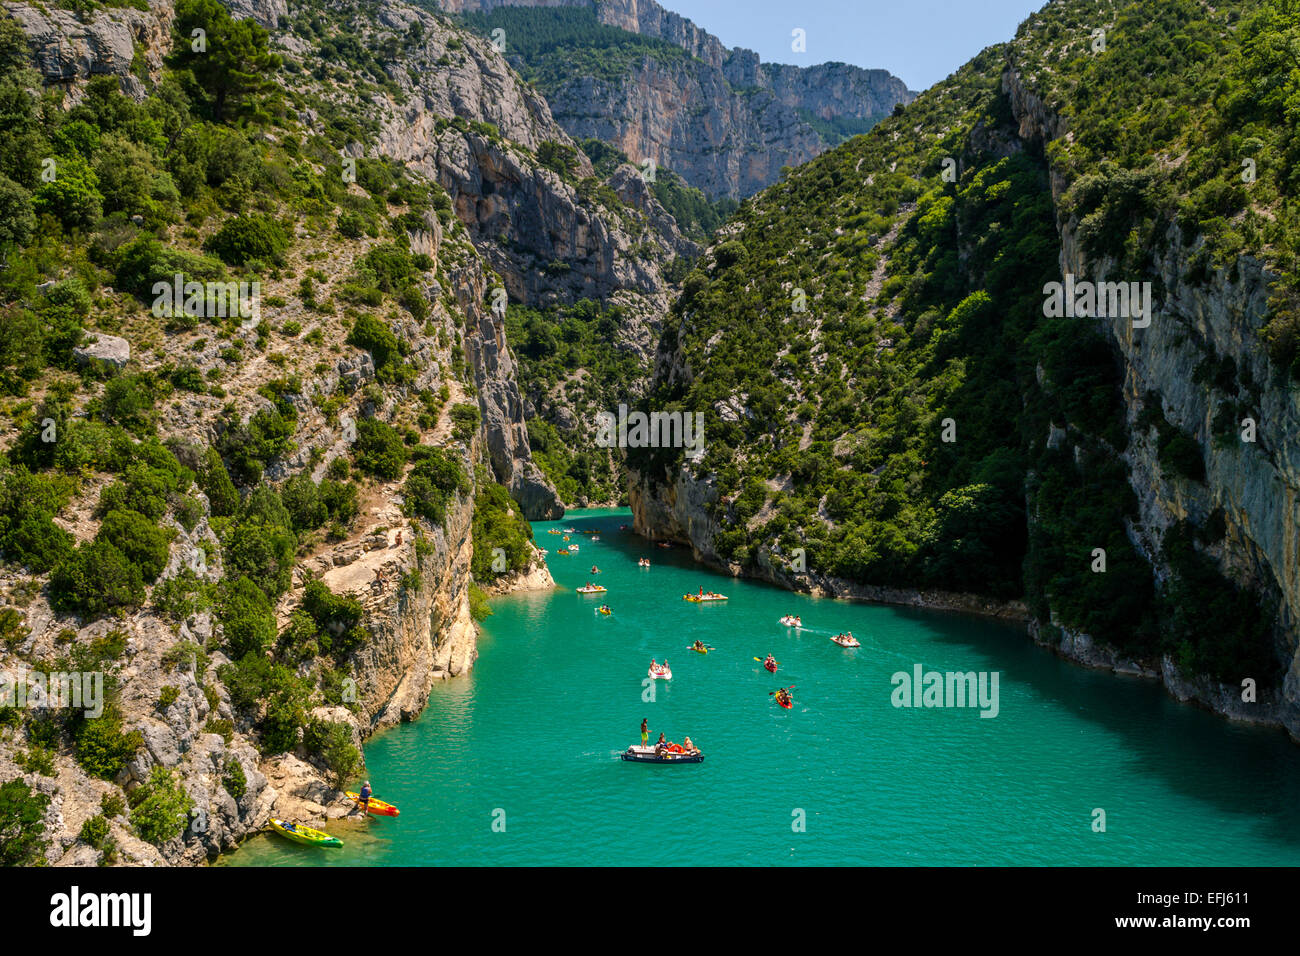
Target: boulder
column 108, row 349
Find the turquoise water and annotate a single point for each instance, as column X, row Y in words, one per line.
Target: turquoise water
column 530, row 739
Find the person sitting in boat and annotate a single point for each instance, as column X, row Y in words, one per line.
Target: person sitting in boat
column 699, row 645
column 660, row 744
column 689, row 747
column 770, row 660
column 595, row 570
column 783, row 697
column 363, row 798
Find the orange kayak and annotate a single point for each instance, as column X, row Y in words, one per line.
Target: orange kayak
column 375, row 808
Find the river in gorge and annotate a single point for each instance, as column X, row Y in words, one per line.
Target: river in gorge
column 517, row 762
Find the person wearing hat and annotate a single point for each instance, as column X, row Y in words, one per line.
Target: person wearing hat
column 363, row 798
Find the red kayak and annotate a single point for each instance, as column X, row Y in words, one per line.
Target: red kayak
column 770, row 665
column 787, row 704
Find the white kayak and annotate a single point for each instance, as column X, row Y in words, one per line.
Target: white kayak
column 661, row 673
column 789, row 621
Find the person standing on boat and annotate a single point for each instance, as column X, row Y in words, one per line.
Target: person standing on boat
column 645, row 731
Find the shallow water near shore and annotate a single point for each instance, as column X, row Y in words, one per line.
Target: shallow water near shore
column 517, row 762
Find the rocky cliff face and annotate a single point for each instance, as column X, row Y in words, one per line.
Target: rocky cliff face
column 127, row 43
column 1201, row 316
column 411, row 576
column 1255, row 484
column 722, row 119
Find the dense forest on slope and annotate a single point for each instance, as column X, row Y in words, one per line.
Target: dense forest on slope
column 190, row 483
column 883, row 389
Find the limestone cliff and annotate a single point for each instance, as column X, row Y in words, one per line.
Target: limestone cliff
column 411, row 575
column 122, row 42
column 721, row 118
column 1254, row 484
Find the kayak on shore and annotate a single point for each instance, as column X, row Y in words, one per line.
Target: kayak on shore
column 304, row 835
column 376, row 807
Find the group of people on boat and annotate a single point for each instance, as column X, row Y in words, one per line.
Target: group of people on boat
column 783, row 698
column 643, row 562
column 699, row 646
column 663, row 746
column 770, row 663
column 791, row 621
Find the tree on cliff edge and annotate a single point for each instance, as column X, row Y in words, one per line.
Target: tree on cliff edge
column 230, row 60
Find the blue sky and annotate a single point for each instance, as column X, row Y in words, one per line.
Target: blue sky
column 921, row 41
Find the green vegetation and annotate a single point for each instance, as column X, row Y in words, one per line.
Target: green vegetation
column 160, row 807
column 499, row 528
column 551, row 344
column 926, row 301
column 554, row 45
column 22, row 826
column 331, row 743
column 436, row 476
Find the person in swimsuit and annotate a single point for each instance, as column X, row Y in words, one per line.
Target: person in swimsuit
column 645, row 731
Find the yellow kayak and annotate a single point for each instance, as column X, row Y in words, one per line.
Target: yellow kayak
column 305, row 835
column 376, row 807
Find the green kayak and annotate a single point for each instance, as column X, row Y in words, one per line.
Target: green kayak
column 301, row 834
